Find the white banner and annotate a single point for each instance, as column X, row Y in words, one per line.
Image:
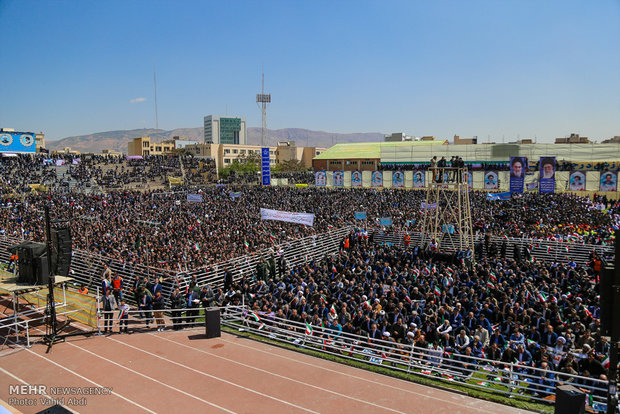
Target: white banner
column 299, row 218
column 194, row 198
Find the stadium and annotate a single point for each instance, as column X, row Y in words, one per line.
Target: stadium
column 147, row 284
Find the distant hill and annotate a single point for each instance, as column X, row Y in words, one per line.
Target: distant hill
column 117, row 140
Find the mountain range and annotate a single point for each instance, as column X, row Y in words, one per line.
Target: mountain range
column 117, row 140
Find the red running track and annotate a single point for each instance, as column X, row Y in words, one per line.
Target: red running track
column 180, row 372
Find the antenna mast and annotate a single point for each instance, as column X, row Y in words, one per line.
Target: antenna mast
column 262, row 99
column 155, row 88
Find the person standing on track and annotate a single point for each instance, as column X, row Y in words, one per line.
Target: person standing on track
column 108, row 310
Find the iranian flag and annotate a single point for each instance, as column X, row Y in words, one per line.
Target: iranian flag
column 246, row 244
column 437, row 291
column 272, row 236
column 196, row 246
column 587, row 311
column 258, row 320
column 490, row 284
column 449, row 270
column 493, row 276
column 606, row 362
column 542, row 297
column 309, row 329
column 333, row 311
column 408, row 299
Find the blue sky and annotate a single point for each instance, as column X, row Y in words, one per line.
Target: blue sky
column 498, row 69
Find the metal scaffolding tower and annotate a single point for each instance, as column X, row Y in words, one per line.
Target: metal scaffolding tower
column 447, row 220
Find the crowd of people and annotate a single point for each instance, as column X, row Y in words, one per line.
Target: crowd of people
column 543, row 315
column 535, row 313
column 164, row 230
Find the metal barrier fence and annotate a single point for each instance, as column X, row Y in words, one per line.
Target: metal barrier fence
column 87, row 267
column 548, row 250
column 508, row 379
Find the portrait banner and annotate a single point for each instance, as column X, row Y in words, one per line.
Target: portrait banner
column 577, row 181
column 376, row 179
column 491, row 181
column 320, row 179
column 419, row 179
column 398, row 179
column 356, row 179
column 338, row 178
column 517, row 173
column 609, row 181
column 547, row 175
column 469, row 179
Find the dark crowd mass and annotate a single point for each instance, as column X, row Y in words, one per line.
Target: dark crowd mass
column 543, row 314
column 535, row 314
column 146, row 224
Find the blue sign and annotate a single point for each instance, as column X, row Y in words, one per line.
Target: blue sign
column 498, row 196
column 518, row 168
column 266, row 172
column 547, row 175
column 360, row 215
column 385, row 221
column 17, row 142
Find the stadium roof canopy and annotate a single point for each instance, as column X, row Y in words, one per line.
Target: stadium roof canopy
column 370, row 149
column 422, row 151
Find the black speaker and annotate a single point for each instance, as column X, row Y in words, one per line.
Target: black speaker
column 607, row 298
column 28, row 255
column 54, row 409
column 61, row 251
column 26, row 266
column 212, row 322
column 569, row 400
column 41, row 270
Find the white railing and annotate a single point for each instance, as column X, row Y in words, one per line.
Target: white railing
column 509, row 379
column 541, row 249
column 87, row 267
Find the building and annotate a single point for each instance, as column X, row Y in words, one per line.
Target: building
column 573, row 139
column 465, row 141
column 225, row 154
column 225, row 130
column 613, row 140
column 288, row 151
column 144, row 146
column 39, row 141
column 397, row 137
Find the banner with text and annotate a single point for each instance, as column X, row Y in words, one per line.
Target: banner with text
column 265, row 168
column 360, row 215
column 498, row 196
column 299, row 218
column 518, row 167
column 547, row 175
